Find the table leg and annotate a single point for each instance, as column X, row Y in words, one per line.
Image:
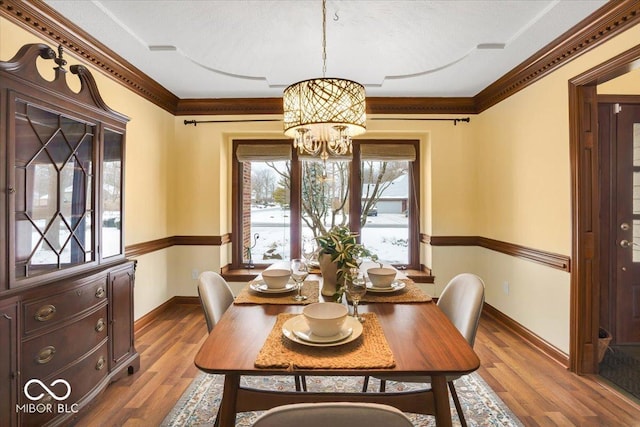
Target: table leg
column 227, row 411
column 441, row 401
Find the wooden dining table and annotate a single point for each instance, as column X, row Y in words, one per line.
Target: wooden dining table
column 422, row 339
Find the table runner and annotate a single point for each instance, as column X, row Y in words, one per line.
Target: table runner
column 370, row 350
column 411, row 293
column 310, row 288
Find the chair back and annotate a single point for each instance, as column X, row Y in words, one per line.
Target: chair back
column 334, row 414
column 462, row 300
column 215, row 296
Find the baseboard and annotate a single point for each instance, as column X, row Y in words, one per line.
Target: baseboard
column 186, row 300
column 537, row 342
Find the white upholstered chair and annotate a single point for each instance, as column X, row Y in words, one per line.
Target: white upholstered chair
column 461, row 300
column 216, row 297
column 333, row 414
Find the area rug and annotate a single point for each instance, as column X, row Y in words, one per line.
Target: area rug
column 199, row 403
column 621, row 366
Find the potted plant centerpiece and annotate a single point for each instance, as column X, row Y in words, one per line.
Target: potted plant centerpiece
column 339, row 252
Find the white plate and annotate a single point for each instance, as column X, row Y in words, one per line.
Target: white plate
column 311, row 337
column 263, row 289
column 299, row 324
column 395, row 286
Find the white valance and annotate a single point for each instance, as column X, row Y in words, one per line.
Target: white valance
column 263, row 152
column 388, row 152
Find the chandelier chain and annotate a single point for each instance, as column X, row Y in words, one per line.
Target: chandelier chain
column 324, row 38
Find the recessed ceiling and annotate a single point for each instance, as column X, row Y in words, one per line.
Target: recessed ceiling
column 255, row 48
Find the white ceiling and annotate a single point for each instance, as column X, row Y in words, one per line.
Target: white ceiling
column 255, row 48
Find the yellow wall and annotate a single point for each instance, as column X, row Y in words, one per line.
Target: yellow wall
column 524, row 194
column 627, row 84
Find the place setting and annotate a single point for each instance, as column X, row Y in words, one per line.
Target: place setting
column 322, row 325
column 325, row 335
column 384, row 285
column 276, row 285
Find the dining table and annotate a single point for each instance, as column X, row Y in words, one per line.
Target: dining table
column 401, row 336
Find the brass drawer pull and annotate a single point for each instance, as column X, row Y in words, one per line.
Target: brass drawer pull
column 100, row 325
column 100, row 292
column 46, row 312
column 45, row 355
column 100, row 364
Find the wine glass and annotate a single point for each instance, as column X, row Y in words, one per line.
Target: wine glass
column 309, row 249
column 356, row 289
column 299, row 272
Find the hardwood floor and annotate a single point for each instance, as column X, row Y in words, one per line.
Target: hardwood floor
column 537, row 389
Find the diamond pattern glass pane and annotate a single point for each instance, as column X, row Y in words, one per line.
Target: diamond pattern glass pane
column 53, row 200
column 43, row 204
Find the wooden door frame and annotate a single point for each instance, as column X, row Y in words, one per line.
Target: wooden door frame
column 585, row 204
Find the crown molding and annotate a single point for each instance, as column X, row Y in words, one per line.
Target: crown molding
column 375, row 105
column 228, row 106
column 608, row 21
column 40, row 19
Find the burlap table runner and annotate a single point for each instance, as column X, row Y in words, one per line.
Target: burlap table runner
column 310, row 288
column 369, row 350
column 410, row 293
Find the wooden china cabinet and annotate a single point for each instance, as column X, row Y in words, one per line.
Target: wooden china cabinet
column 66, row 289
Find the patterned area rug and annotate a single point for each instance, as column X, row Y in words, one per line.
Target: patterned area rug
column 199, row 403
column 621, row 366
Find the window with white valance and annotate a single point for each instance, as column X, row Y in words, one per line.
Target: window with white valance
column 282, row 201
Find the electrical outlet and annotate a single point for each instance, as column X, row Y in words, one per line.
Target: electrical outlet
column 194, row 274
column 505, row 287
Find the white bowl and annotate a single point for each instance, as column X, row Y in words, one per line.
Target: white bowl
column 381, row 277
column 276, row 278
column 325, row 319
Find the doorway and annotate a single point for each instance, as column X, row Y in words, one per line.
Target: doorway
column 589, row 233
column 619, row 178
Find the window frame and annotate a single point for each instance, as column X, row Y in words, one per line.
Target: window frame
column 237, row 192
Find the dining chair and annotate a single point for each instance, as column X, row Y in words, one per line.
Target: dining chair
column 461, row 301
column 216, row 297
column 334, row 414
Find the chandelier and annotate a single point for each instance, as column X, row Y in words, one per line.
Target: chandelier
column 322, row 114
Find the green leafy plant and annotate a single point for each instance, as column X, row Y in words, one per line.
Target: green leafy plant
column 342, row 245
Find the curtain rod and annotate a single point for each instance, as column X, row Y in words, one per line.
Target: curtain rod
column 455, row 121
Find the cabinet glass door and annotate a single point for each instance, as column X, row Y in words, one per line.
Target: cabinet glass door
column 54, row 206
column 112, row 194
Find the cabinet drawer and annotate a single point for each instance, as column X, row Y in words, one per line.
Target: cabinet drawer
column 45, row 354
column 82, row 378
column 56, row 308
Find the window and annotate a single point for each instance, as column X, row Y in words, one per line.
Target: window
column 281, row 201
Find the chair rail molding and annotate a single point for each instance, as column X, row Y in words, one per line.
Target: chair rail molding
column 549, row 259
column 143, row 248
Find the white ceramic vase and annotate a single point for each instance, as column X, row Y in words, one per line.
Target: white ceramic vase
column 329, row 270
